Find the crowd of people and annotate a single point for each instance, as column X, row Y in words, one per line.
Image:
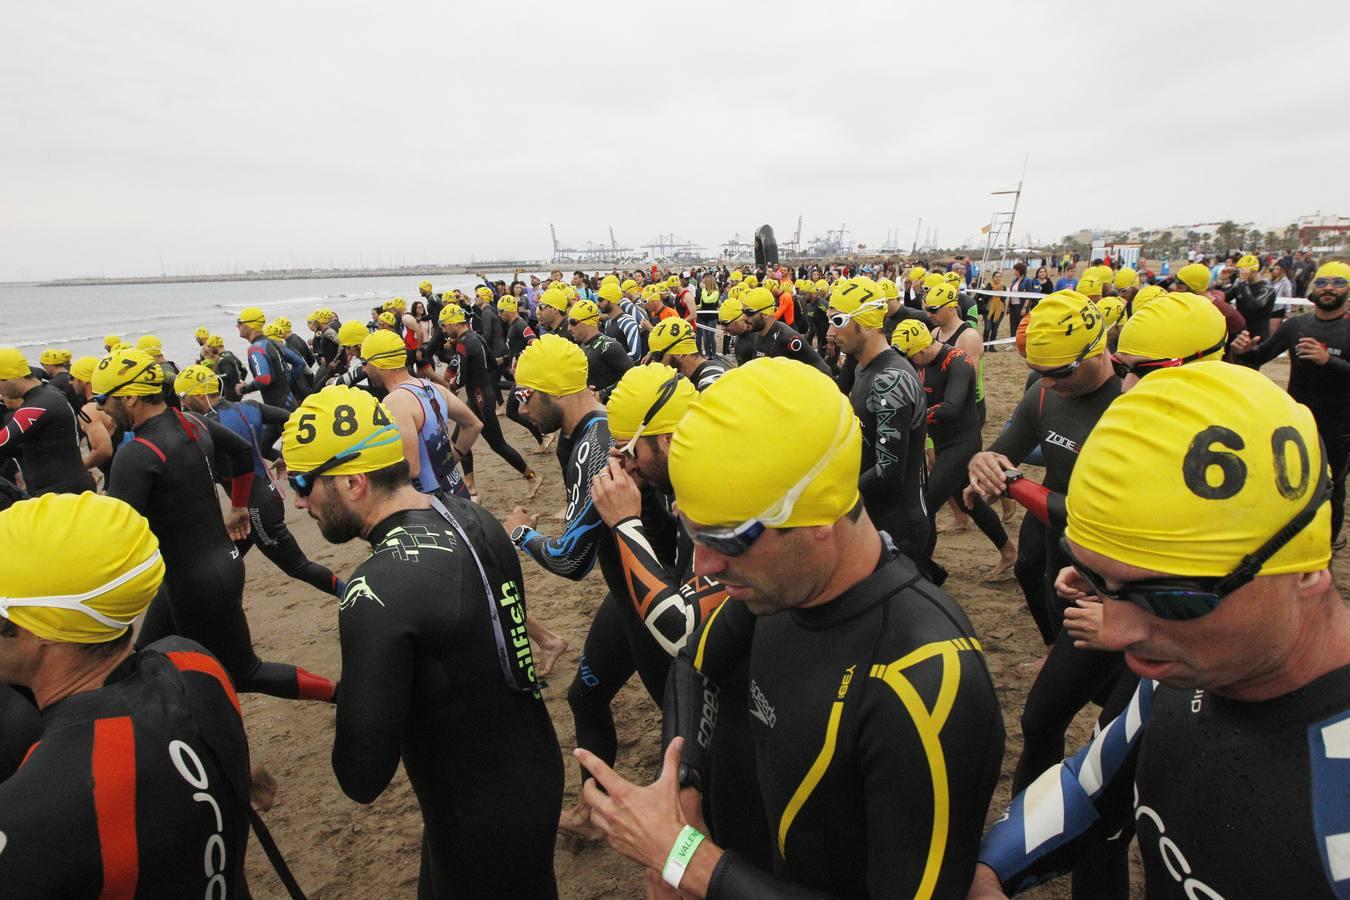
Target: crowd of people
column 755, row 458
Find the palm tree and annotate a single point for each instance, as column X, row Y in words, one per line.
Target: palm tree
column 1228, row 235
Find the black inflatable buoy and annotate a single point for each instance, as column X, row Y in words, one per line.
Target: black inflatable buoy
column 766, row 247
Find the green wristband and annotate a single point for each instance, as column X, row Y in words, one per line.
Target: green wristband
column 680, row 853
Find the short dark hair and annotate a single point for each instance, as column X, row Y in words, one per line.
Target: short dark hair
column 106, row 649
column 1020, row 267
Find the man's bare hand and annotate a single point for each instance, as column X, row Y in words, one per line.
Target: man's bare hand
column 262, row 788
column 237, row 523
column 615, row 494
column 520, row 516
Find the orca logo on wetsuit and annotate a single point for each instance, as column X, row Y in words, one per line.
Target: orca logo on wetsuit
column 195, row 775
column 1173, row 859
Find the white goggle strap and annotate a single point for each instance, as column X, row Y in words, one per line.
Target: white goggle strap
column 76, row 602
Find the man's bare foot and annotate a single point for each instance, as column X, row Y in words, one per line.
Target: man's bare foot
column 1034, row 666
column 1009, row 509
column 548, row 442
column 550, row 648
column 954, row 526
column 577, row 821
column 534, row 482
column 1004, row 569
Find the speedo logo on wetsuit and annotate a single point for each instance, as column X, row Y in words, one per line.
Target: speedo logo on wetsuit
column 1060, row 440
column 761, row 710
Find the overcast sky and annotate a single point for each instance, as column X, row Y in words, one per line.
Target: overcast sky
column 243, row 135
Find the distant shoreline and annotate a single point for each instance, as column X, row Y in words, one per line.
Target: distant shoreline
column 290, row 274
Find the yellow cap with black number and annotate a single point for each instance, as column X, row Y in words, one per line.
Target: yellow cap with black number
column 552, row 365
column 1231, row 460
column 196, row 379
column 672, row 335
column 889, row 289
column 758, row 408
column 484, row 292
column 345, row 423
column 215, row 340
column 638, row 392
column 283, row 323
column 752, row 281
column 50, row 358
column 730, row 310
column 150, row 344
column 253, row 316
column 398, row 304
column 424, row 287
column 916, row 273
column 952, row 278
column 202, row 333
column 110, row 341
column 610, row 292
column 273, row 331
column 1146, row 295
column 387, row 319
column 862, row 300
column 1333, row 269
column 1067, row 327
column 554, row 298
column 1174, row 326
column 1125, row 279
column 1249, row 262
column 585, row 312
column 352, row 334
column 1194, row 276
column 758, row 299
column 1112, row 310
column 452, row 314
column 128, row 373
column 324, row 315
column 13, row 364
column 83, row 368
column 911, row 336
column 822, row 286
column 384, row 350
column 508, row 304
column 932, row 280
column 771, row 284
column 628, row 285
column 118, row 573
column 1089, row 286
column 941, row 295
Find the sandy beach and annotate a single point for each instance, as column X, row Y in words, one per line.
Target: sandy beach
column 338, row 848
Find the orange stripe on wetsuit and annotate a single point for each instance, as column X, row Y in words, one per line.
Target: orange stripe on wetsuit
column 113, row 767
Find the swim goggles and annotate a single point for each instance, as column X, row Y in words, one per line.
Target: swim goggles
column 303, row 482
column 77, row 602
column 840, row 319
column 1140, row 369
column 1061, row 372
column 662, row 398
column 102, row 398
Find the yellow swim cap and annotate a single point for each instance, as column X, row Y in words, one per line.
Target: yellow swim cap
column 273, row 331
column 13, row 364
column 150, row 344
column 1067, row 327
column 283, row 323
column 341, row 423
column 752, row 281
column 388, row 318
column 771, row 284
column 1249, row 262
column 672, row 335
column 128, row 373
column 1195, row 277
column 110, row 341
column 452, row 314
column 911, row 336
column 1126, row 279
column 253, row 316
column 628, row 285
column 570, row 293
column 610, row 292
column 384, row 350
column 940, row 295
column 202, row 333
column 83, row 368
column 758, row 408
column 1147, row 294
column 758, row 300
column 1333, row 269
column 932, row 280
column 424, row 287
column 889, row 289
column 1089, row 286
column 584, row 311
column 736, row 275
column 118, row 572
column 1112, row 310
column 552, row 365
column 730, row 310
column 351, row 334
column 324, row 316
column 397, row 304
column 215, row 340
column 861, row 299
column 637, row 395
column 916, row 273
column 822, row 286
column 1229, row 458
column 610, row 279
column 554, row 298
column 196, row 379
column 484, row 292
column 952, row 278
column 50, row 357
column 1175, row 326
column 508, row 304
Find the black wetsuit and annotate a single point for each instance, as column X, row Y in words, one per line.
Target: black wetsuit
column 954, row 425
column 20, row 726
column 42, row 437
column 231, row 373
column 519, row 335
column 1256, row 303
column 877, row 737
column 164, row 475
column 1229, row 799
column 746, row 347
column 266, row 509
column 711, row 369
column 783, row 340
column 606, row 361
column 62, row 382
column 324, row 346
column 139, row 788
column 422, row 683
column 904, row 312
column 889, row 403
column 1324, row 389
column 301, row 347
column 476, row 373
column 271, row 374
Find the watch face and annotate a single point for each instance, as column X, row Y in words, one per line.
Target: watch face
column 518, row 534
